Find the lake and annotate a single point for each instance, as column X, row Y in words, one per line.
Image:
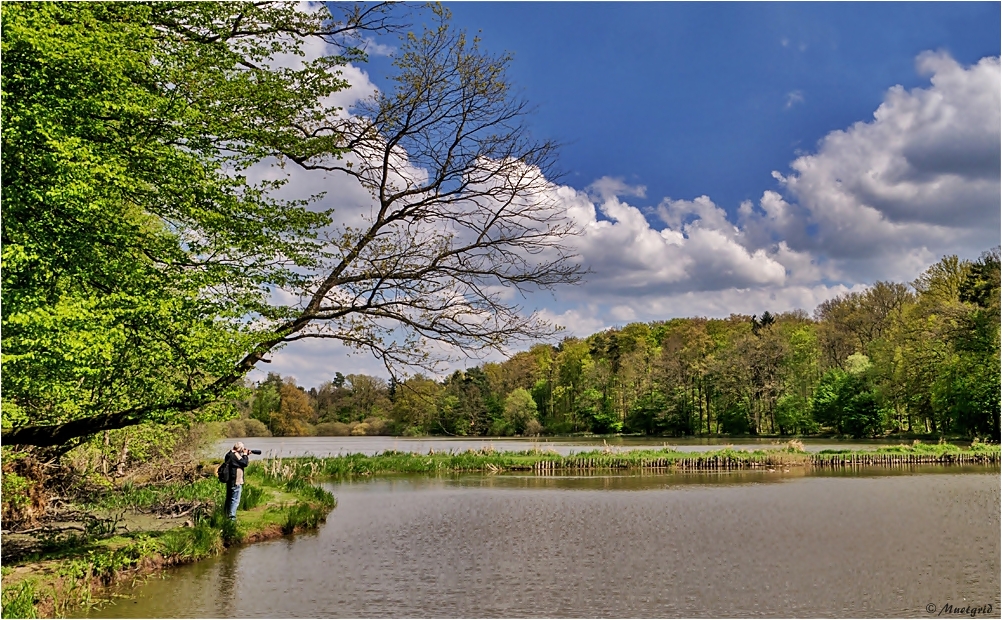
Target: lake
column 868, row 543
column 324, row 446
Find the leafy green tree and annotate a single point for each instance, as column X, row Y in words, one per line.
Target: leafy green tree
column 416, row 407
column 519, row 409
column 139, row 260
column 845, row 400
column 267, row 399
column 133, row 245
column 648, row 413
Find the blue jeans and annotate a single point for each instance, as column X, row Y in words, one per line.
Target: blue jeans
column 234, row 500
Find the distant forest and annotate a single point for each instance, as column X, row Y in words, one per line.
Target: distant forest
column 890, row 359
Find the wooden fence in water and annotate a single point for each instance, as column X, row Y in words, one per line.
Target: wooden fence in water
column 771, row 461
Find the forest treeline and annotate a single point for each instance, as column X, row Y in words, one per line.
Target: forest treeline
column 894, row 358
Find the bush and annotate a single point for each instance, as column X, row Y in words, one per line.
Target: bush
column 533, row 427
column 248, row 427
column 377, row 426
column 256, row 428
column 234, row 429
column 333, row 429
column 360, row 429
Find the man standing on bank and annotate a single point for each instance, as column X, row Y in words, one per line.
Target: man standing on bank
column 236, row 459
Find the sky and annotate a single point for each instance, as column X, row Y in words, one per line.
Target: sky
column 735, row 158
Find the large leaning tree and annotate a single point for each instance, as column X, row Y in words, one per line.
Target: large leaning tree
column 141, row 261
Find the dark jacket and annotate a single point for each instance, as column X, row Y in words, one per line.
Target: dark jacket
column 236, row 465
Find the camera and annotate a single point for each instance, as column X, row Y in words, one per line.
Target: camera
column 254, row 451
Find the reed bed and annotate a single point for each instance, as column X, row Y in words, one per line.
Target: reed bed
column 490, row 461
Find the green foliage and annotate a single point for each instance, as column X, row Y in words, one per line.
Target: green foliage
column 793, row 415
column 250, row 497
column 302, row 516
column 519, row 409
column 846, row 402
column 19, row 600
column 134, row 248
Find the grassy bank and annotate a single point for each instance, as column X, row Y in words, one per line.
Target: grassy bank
column 791, row 454
column 71, row 569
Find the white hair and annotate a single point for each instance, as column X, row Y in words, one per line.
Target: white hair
column 238, row 446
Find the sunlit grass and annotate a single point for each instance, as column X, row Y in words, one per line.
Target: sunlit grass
column 304, row 469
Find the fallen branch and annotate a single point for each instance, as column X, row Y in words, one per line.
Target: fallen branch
column 48, row 528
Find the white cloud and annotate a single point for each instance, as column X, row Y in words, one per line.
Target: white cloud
column 919, row 180
column 374, row 48
column 698, row 249
column 793, row 98
column 611, row 187
column 581, row 322
column 882, row 199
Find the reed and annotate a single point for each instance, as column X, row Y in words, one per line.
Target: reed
column 791, row 454
column 303, row 516
column 250, row 497
column 18, row 601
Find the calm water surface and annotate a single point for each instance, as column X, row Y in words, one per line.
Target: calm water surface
column 324, row 446
column 872, row 543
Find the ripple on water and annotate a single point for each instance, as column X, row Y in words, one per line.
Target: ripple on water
column 754, row 544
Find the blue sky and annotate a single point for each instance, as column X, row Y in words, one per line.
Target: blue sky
column 692, row 98
column 742, row 157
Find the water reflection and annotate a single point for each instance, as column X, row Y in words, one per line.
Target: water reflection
column 632, row 480
column 798, row 543
column 326, row 446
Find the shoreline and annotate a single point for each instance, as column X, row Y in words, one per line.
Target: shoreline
column 539, row 461
column 58, row 582
column 77, row 574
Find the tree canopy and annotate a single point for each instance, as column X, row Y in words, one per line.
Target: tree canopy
column 142, row 261
column 891, row 359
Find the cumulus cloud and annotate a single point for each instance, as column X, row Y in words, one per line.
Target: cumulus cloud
column 919, row 180
column 697, row 248
column 611, row 187
column 881, row 199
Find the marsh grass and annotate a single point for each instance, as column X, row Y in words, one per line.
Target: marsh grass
column 183, row 545
column 18, row 601
column 306, row 469
column 302, row 516
column 250, row 497
column 145, row 497
column 62, row 577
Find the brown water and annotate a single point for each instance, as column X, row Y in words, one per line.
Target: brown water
column 870, row 543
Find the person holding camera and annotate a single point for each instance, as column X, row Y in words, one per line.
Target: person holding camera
column 236, row 459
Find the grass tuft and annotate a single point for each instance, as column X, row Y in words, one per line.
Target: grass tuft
column 302, row 516
column 18, row 600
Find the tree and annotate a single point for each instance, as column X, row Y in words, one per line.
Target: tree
column 462, row 206
column 416, row 405
column 134, row 249
column 267, row 399
column 519, row 409
column 294, row 413
column 845, row 400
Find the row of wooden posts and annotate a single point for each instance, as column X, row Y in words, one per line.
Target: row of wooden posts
column 755, row 461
